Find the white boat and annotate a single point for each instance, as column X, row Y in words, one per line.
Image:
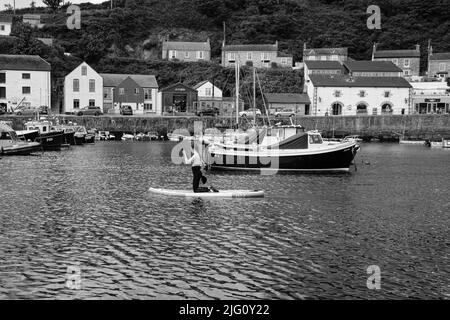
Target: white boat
column 127, row 137
column 220, row 194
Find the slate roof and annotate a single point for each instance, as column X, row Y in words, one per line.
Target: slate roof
column 371, row 66
column 326, row 51
column 360, row 82
column 4, row 18
column 23, row 62
column 186, row 46
column 397, row 54
column 323, row 65
column 250, row 47
column 287, row 98
column 114, row 79
column 440, row 56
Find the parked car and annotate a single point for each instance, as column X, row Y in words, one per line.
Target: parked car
column 250, row 112
column 285, row 113
column 24, row 111
column 43, row 110
column 126, row 111
column 90, row 111
column 3, row 109
column 209, row 111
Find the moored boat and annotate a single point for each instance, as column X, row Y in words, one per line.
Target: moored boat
column 49, row 138
column 12, row 145
column 305, row 151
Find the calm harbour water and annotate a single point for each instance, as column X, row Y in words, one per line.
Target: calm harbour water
column 313, row 236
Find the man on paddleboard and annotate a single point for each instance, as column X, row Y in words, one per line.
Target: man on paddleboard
column 197, row 164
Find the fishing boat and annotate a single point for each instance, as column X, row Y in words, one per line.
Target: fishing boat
column 90, row 136
column 303, row 152
column 127, row 137
column 12, row 145
column 50, row 138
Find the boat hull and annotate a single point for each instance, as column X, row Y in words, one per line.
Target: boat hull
column 337, row 160
column 51, row 141
column 21, row 149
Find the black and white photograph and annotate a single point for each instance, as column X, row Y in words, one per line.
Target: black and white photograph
column 238, row 151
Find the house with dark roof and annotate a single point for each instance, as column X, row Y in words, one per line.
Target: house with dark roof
column 299, row 103
column 24, row 81
column 179, row 98
column 5, row 25
column 186, row 51
column 439, row 64
column 256, row 55
column 321, row 67
column 407, row 60
column 325, row 54
column 135, row 90
column 372, row 69
column 341, row 95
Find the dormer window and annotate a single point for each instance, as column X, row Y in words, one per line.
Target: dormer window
column 83, row 70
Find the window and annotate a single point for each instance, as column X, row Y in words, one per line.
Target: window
column 121, row 91
column 387, row 94
column 76, row 103
column 283, row 61
column 334, row 57
column 442, row 66
column 147, row 94
column 91, row 103
column 186, row 54
column 91, row 85
column 361, row 108
column 406, row 63
column 323, row 58
column 26, row 90
column 148, row 107
column 337, row 93
column 172, row 54
column 336, row 109
column 2, row 92
column 26, row 76
column 83, row 70
column 386, row 108
column 200, row 55
column 208, row 92
column 76, row 85
column 249, row 56
column 407, row 72
column 265, row 56
column 362, row 93
column 3, row 77
column 231, row 56
column 136, row 90
column 2, row 27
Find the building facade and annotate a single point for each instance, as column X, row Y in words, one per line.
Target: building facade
column 431, row 97
column 325, row 54
column 24, row 81
column 372, row 69
column 179, row 97
column 5, row 25
column 346, row 95
column 439, row 65
column 138, row 91
column 256, row 55
column 209, row 95
column 186, row 51
column 82, row 87
column 407, row 60
column 298, row 102
column 33, row 19
column 320, row 67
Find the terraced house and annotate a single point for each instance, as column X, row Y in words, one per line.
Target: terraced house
column 407, row 60
column 257, row 55
column 186, row 51
column 325, row 54
column 439, row 65
column 5, row 25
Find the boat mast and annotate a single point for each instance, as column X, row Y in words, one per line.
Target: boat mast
column 254, row 94
column 237, row 93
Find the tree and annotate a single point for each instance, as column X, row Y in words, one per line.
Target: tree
column 53, row 4
column 33, row 5
column 9, row 7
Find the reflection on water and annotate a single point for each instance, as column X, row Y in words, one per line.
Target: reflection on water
column 313, row 236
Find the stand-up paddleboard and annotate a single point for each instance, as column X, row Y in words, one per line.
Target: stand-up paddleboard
column 220, row 194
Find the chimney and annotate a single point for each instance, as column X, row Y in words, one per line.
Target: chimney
column 304, row 46
column 208, row 40
column 418, row 47
column 276, row 44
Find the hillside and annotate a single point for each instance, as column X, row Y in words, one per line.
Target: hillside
column 118, row 40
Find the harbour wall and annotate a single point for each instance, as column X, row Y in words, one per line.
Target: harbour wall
column 411, row 126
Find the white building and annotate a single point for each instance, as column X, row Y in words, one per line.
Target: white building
column 82, row 87
column 346, row 95
column 24, row 81
column 432, row 97
column 5, row 25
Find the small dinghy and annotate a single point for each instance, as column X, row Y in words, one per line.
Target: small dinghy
column 220, row 194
